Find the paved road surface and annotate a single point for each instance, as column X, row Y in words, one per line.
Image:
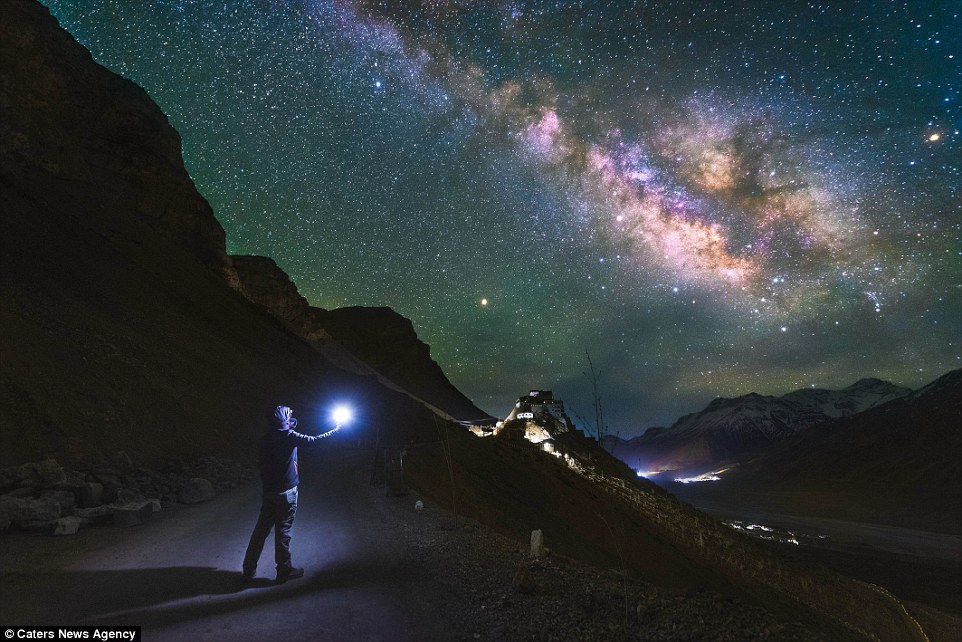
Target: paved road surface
column 178, row 575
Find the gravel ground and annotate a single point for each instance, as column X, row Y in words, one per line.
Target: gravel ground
column 496, row 591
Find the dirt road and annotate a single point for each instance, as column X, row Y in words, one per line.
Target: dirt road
column 178, row 575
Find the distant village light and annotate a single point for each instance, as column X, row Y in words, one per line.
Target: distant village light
column 705, row 477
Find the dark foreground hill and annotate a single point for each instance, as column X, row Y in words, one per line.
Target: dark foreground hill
column 124, row 324
column 376, row 570
column 591, row 506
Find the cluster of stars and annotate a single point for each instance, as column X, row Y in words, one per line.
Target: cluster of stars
column 708, row 198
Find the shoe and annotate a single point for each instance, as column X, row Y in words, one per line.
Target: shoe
column 290, row 574
column 247, row 579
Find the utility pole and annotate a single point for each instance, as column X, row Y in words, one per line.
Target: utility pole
column 600, row 429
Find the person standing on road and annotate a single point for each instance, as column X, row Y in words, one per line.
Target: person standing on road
column 278, row 468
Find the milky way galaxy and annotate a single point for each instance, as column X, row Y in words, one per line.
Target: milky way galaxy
column 709, row 198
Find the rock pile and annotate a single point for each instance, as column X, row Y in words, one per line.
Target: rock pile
column 45, row 496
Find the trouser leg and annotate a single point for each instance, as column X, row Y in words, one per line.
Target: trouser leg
column 265, row 520
column 286, row 508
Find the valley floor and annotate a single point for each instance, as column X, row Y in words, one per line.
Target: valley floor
column 915, row 565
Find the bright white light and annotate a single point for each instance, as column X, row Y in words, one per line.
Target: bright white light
column 341, row 415
column 700, row 478
column 647, row 473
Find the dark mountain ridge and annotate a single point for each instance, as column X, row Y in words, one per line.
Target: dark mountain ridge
column 898, row 463
column 733, row 429
column 383, row 341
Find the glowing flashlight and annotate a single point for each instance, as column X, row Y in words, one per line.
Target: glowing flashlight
column 342, row 415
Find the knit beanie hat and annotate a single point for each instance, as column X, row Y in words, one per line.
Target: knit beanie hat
column 284, row 417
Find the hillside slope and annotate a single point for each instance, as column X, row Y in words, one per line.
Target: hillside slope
column 376, row 341
column 591, row 506
column 119, row 327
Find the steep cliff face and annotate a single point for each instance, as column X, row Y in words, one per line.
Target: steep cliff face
column 272, row 289
column 69, row 120
column 380, row 338
column 387, row 342
column 385, row 339
column 117, row 328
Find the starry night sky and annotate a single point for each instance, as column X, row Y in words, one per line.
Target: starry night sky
column 710, row 198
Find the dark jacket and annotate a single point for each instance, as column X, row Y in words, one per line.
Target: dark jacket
column 278, row 458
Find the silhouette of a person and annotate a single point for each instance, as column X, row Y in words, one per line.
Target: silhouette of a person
column 278, row 468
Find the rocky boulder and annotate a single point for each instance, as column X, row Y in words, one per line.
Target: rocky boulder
column 132, row 513
column 68, row 525
column 65, row 500
column 131, row 494
column 9, row 508
column 94, row 515
column 41, row 474
column 28, row 513
column 91, row 494
column 195, row 491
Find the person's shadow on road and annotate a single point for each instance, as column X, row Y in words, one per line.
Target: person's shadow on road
column 83, row 595
column 161, row 596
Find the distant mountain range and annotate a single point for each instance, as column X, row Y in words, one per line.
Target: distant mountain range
column 899, row 462
column 871, row 452
column 729, row 430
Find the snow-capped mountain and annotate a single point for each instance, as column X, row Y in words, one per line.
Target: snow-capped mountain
column 896, row 463
column 729, row 429
column 861, row 395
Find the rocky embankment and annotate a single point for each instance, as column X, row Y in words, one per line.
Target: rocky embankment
column 46, row 497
